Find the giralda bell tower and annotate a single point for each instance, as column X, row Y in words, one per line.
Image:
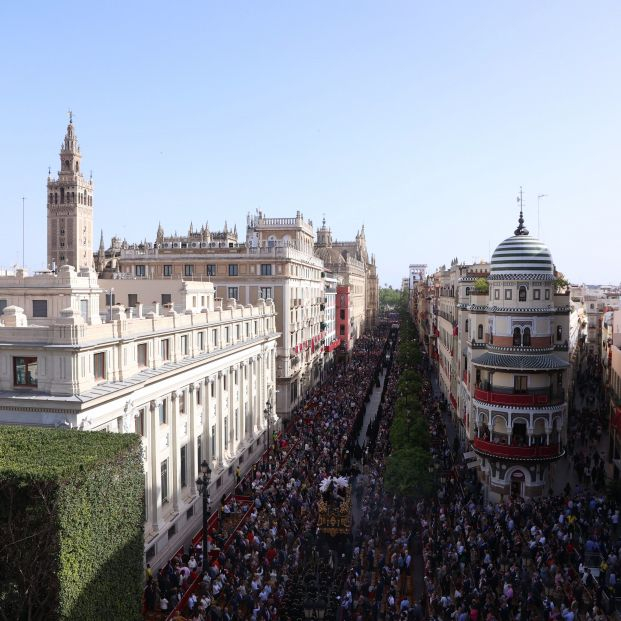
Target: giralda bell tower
column 70, row 209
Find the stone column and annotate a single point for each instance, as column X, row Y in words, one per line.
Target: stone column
column 174, row 449
column 154, row 466
column 260, row 392
column 220, row 419
column 193, row 467
column 250, row 427
column 231, row 412
column 209, row 381
column 243, row 411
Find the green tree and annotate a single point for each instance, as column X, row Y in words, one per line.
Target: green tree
column 408, row 473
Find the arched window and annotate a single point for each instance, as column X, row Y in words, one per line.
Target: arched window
column 62, row 195
column 467, row 290
column 522, row 294
column 56, row 198
column 517, row 337
column 559, row 333
column 66, row 165
column 77, row 166
column 51, row 198
column 526, row 337
column 480, row 332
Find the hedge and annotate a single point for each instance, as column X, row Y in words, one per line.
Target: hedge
column 71, row 525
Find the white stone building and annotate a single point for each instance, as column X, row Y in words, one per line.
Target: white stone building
column 192, row 380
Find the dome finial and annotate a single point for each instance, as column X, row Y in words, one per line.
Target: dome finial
column 521, row 229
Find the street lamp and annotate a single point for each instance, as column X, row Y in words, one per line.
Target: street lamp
column 268, row 415
column 202, row 483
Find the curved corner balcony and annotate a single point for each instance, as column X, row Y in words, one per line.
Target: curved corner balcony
column 531, row 398
column 510, row 452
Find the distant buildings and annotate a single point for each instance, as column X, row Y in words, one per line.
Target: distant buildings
column 497, row 334
column 279, row 260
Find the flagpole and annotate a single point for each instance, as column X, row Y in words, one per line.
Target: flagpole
column 23, row 232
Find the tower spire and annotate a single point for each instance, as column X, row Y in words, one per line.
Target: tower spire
column 521, row 229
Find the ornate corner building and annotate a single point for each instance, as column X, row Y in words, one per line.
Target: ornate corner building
column 497, row 334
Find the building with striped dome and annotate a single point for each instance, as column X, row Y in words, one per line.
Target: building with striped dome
column 512, row 364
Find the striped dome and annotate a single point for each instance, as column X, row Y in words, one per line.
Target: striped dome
column 522, row 254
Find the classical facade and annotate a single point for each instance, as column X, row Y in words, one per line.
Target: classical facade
column 191, row 377
column 498, row 334
column 275, row 262
column 70, row 210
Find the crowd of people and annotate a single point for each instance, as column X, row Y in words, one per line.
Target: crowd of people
column 248, row 578
column 452, row 557
column 557, row 557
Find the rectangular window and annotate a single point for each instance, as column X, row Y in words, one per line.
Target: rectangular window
column 99, row 366
column 201, row 341
column 183, row 463
column 265, row 293
column 110, row 299
column 141, row 429
column 211, row 269
column 213, row 440
column 164, row 481
column 266, row 269
column 548, row 296
column 247, row 329
column 233, row 292
column 184, row 345
column 342, row 315
column 199, row 449
column 140, row 271
column 163, row 414
column 236, row 424
column 496, row 294
column 199, row 394
column 212, row 389
column 165, row 349
column 508, row 294
column 168, row 271
column 39, row 308
column 182, row 402
column 342, row 331
column 25, row 371
column 214, row 337
column 536, row 294
column 142, row 355
column 3, row 305
column 520, row 383
column 233, row 269
column 226, row 335
column 188, row 270
column 132, row 300
column 226, row 433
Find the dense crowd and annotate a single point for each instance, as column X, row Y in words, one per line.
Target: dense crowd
column 557, row 557
column 248, row 579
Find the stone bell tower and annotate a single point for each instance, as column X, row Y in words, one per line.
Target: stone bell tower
column 70, row 209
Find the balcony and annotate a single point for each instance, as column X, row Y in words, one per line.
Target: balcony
column 511, row 452
column 531, row 398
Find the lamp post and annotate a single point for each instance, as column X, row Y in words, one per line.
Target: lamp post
column 268, row 415
column 202, row 483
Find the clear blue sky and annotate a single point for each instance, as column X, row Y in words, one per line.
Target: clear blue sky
column 420, row 120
